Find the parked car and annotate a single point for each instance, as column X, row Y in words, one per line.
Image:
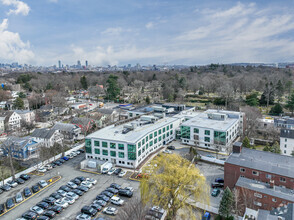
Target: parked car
column 217, row 185
column 71, row 185
column 18, row 197
column 215, row 192
column 10, row 203
column 42, row 183
column 116, row 200
column 27, row 192
column 48, row 167
column 61, row 160
column 57, row 163
column 100, row 202
column 117, row 171
column 96, row 206
column 53, row 165
column 106, row 193
column 6, row 187
column 115, row 185
column 122, row 173
column 129, row 188
column 111, row 171
column 77, row 152
column 83, row 216
column 2, row 208
column 50, row 214
column 166, row 151
column 112, row 190
column 206, row 216
column 76, row 181
column 171, row 147
column 65, row 158
column 86, row 184
column 219, row 180
column 20, row 181
column 89, row 210
column 81, row 151
column 91, row 180
column 83, row 188
column 65, row 188
column 55, row 208
column 78, row 192
column 12, row 183
column 37, row 210
column 35, row 188
column 102, row 197
column 49, row 200
column 43, row 217
column 61, row 192
column 56, row 196
column 25, row 176
column 29, row 215
column 72, row 195
column 124, row 192
column 42, row 170
column 110, row 211
column 81, row 178
column 43, row 205
column 69, row 200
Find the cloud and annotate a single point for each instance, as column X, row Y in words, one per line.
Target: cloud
column 20, row 7
column 53, row 1
column 112, row 31
column 149, row 25
column 12, row 48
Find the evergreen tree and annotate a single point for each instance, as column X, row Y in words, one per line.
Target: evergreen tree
column 290, row 103
column 113, row 89
column 275, row 148
column 18, row 103
column 267, row 98
column 84, row 82
column 147, row 100
column 252, row 99
column 226, row 203
column 246, row 142
column 276, row 110
column 280, row 90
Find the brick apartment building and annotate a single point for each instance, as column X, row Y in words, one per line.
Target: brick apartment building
column 265, row 180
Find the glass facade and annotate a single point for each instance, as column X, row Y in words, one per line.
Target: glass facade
column 87, row 142
column 185, row 132
column 113, row 153
column 121, row 154
column 96, row 143
column 88, row 149
column 121, row 146
column 196, row 130
column 104, row 144
column 97, row 151
column 219, row 137
column 131, row 152
column 105, row 152
column 112, row 145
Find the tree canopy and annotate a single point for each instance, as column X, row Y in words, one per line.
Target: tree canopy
column 275, row 148
column 84, row 82
column 246, row 142
column 18, row 103
column 226, row 204
column 113, row 89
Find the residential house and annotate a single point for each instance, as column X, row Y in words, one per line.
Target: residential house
column 109, row 114
column 84, row 123
column 12, row 120
column 285, row 212
column 287, row 141
column 47, row 136
column 2, row 124
column 70, row 132
column 27, row 115
column 22, row 148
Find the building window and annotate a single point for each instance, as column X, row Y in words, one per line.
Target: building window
column 196, row 130
column 96, row 143
column 150, row 136
column 285, row 145
column 113, row 153
column 171, row 132
column 150, row 143
column 88, row 143
column 163, row 136
column 207, row 132
column 97, row 151
column 171, row 126
column 105, row 152
column 282, row 179
column 274, row 199
column 143, row 150
column 163, row 130
column 285, row 152
column 146, row 139
column 155, row 133
column 88, row 150
column 167, row 128
column 121, row 154
column 268, row 176
column 104, row 144
column 242, row 170
column 255, row 173
column 139, row 153
column 121, row 146
column 257, row 203
column 219, row 137
column 159, row 138
column 257, row 195
column 131, row 152
column 139, row 144
column 167, row 134
column 242, row 176
column 143, row 142
column 159, row 131
column 285, row 139
column 112, row 145
column 207, row 139
column 155, row 140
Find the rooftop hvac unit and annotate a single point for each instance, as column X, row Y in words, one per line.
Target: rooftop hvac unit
column 147, row 118
column 159, row 109
column 159, row 115
column 217, row 116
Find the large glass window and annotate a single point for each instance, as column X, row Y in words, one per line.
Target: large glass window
column 105, row 152
column 171, row 132
column 121, row 146
column 167, row 128
column 159, row 131
column 150, row 143
column 163, row 136
column 185, row 132
column 96, row 143
column 121, row 154
column 159, row 138
column 88, row 150
column 131, row 152
column 113, row 153
column 207, row 139
column 171, row 126
column 196, row 130
column 143, row 141
column 146, row 139
column 146, row 146
column 97, row 151
column 139, row 144
column 88, row 142
column 219, row 137
column 104, row 144
column 112, row 145
column 150, row 136
column 155, row 133
column 207, row 132
column 155, row 140
column 163, row 130
column 139, row 153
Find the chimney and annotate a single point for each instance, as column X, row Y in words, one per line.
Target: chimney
column 237, row 147
column 272, row 183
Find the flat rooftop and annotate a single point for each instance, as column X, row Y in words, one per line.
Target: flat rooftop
column 202, row 121
column 264, row 161
column 114, row 133
column 264, row 188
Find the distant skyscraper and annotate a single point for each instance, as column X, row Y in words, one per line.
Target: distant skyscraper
column 86, row 63
column 59, row 64
column 79, row 63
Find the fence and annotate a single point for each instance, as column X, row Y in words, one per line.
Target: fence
column 213, row 160
column 35, row 167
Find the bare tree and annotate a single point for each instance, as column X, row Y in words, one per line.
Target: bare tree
column 27, row 125
column 134, row 210
column 252, row 115
column 7, row 145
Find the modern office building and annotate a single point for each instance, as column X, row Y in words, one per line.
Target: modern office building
column 129, row 144
column 59, row 64
column 213, row 129
column 287, row 142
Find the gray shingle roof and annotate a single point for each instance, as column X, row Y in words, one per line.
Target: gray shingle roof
column 105, row 111
column 43, row 133
column 18, row 142
column 263, row 161
column 287, row 133
column 65, row 127
column 286, row 211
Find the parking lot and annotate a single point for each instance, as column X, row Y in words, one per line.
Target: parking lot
column 69, row 170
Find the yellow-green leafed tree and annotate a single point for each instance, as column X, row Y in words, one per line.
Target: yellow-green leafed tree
column 173, row 183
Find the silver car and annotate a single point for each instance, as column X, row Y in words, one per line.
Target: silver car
column 18, row 197
column 72, row 195
column 37, row 210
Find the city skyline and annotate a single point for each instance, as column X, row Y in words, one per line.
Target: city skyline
column 173, row 32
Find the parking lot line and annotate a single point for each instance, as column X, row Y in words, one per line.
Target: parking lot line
column 37, row 174
column 16, row 205
column 87, row 171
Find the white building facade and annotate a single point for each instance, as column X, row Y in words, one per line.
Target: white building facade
column 287, row 142
column 13, row 120
column 27, row 115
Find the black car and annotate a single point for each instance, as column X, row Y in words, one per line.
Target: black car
column 2, row 208
column 83, row 188
column 78, row 192
column 29, row 215
column 117, row 171
column 89, row 210
column 35, row 188
column 25, row 176
column 81, row 151
column 61, row 160
column 81, row 178
column 125, row 192
column 106, row 193
column 56, row 196
column 100, row 202
column 27, row 192
column 6, row 187
column 50, row 214
column 53, row 165
column 76, row 181
column 20, row 181
column 96, row 206
column 171, row 148
column 219, row 180
column 217, row 185
column 65, row 188
column 56, row 209
column 43, row 217
column 49, row 200
column 43, row 205
column 112, row 190
column 9, row 203
column 116, row 186
column 103, row 197
column 57, row 163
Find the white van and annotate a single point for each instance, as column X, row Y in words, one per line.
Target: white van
column 116, row 200
column 106, row 167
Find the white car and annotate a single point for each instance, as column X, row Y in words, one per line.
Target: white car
column 37, row 210
column 72, row 195
column 42, row 183
column 61, row 192
column 62, row 203
column 42, row 170
column 12, row 183
column 70, row 156
column 110, row 211
column 130, row 188
column 86, row 184
column 48, row 167
column 116, row 200
column 83, row 216
column 72, row 185
column 122, row 173
column 69, row 200
column 167, row 152
column 74, row 154
column 111, row 171
column 91, row 180
column 77, row 152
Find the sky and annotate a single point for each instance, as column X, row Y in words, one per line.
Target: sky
column 121, row 32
